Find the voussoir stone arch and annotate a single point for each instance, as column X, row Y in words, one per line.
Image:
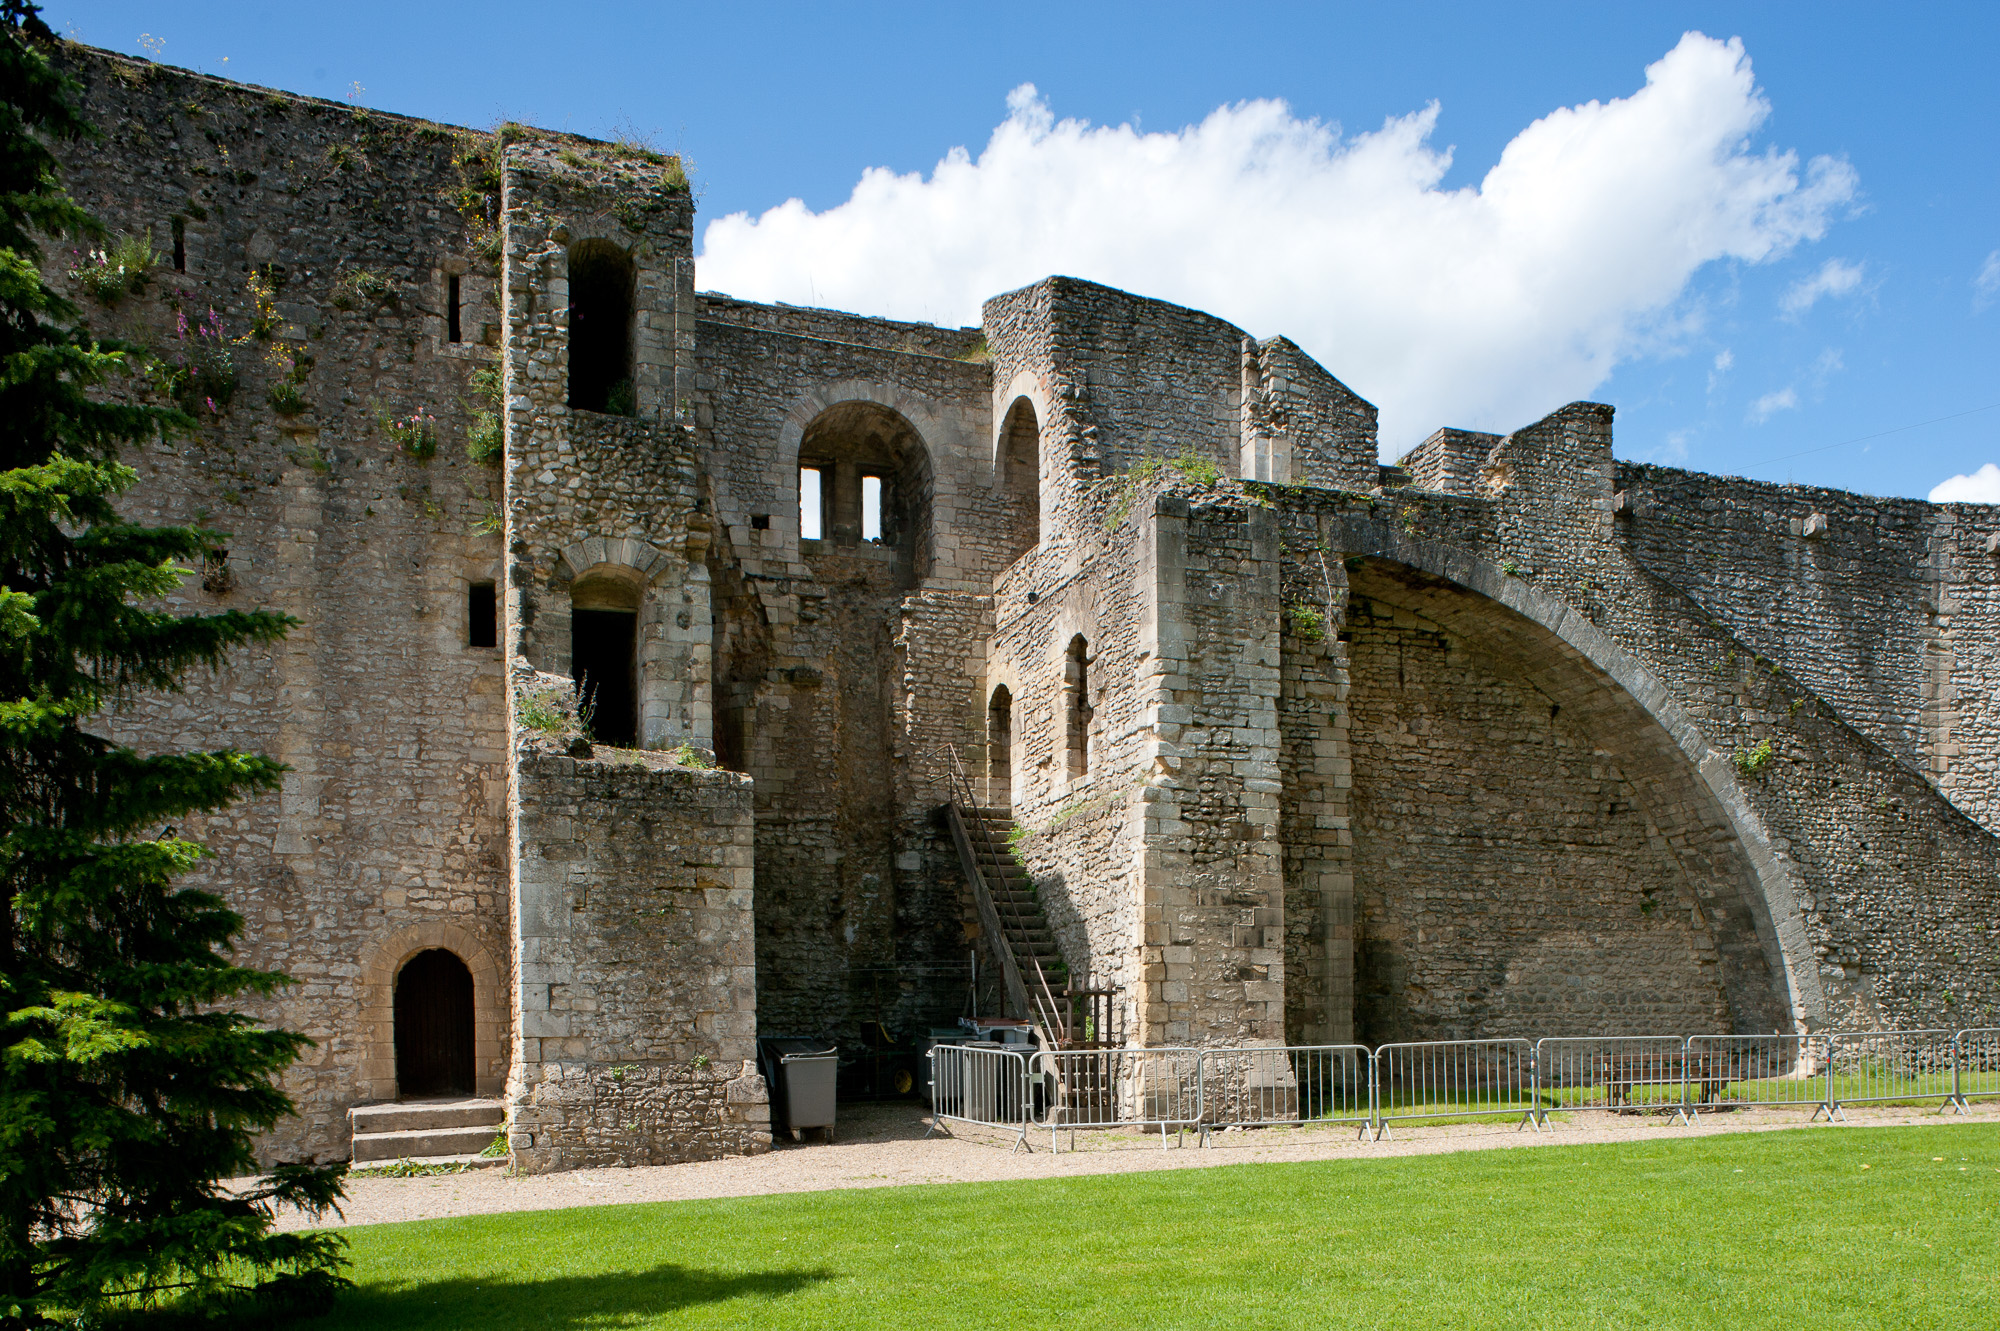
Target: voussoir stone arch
column 629, row 552
column 1687, row 760
column 378, row 1005
column 1025, row 384
column 925, row 416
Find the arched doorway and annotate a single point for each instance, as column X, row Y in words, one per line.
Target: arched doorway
column 604, row 655
column 434, row 1054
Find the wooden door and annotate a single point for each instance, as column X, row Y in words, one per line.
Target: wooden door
column 434, row 1026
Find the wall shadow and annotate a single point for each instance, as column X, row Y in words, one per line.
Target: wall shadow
column 494, row 1302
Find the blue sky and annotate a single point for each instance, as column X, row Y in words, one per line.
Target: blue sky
column 1650, row 251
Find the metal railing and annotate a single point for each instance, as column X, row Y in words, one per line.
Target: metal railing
column 1214, row 1090
column 1620, row 1073
column 1759, row 1070
column 1454, row 1079
column 1265, row 1086
column 985, row 1087
column 1891, row 1066
column 1118, row 1088
column 1975, row 1066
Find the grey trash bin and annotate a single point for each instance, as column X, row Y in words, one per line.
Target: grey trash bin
column 803, row 1077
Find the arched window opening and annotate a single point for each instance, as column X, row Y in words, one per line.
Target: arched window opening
column 1000, row 749
column 1076, row 705
column 1020, row 464
column 601, row 280
column 873, row 478
column 433, row 1012
column 604, row 657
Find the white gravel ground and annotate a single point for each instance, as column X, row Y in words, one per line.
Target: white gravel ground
column 883, row 1146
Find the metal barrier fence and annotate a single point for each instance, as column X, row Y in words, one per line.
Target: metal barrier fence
column 985, row 1087
column 1210, row 1090
column 1118, row 1088
column 1269, row 1086
column 1975, row 1067
column 1454, row 1079
column 1884, row 1066
column 1758, row 1070
column 1619, row 1073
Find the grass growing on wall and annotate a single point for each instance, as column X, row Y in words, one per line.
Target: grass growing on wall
column 1821, row 1227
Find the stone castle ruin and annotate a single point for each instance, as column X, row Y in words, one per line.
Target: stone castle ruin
column 1509, row 738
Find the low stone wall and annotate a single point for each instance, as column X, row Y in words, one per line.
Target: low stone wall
column 635, row 974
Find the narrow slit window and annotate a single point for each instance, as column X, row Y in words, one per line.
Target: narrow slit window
column 451, row 323
column 809, row 504
column 180, row 245
column 482, row 617
column 871, row 508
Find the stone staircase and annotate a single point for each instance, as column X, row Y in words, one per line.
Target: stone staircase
column 428, row 1132
column 1026, row 927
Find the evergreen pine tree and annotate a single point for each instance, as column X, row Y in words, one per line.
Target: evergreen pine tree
column 128, row 1090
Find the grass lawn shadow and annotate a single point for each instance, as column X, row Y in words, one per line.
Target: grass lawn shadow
column 606, row 1299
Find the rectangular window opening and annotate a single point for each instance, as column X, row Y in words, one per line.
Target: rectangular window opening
column 451, row 326
column 760, row 522
column 809, row 504
column 180, row 245
column 871, row 508
column 482, row 615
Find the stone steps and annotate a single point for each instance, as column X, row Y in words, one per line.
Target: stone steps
column 429, row 1131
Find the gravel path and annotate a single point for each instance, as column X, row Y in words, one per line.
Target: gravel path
column 884, row 1146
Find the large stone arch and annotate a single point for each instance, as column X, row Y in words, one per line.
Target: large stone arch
column 490, row 1005
column 1690, row 784
column 924, row 416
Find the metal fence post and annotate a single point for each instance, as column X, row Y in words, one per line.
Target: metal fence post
column 1375, row 1093
column 1958, row 1073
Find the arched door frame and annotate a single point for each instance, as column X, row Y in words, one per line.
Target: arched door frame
column 378, row 1006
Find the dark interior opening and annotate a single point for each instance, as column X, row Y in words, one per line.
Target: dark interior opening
column 451, row 332
column 180, row 245
column 600, row 328
column 482, row 617
column 434, row 1026
column 1076, row 687
column 1021, row 475
column 1000, row 746
column 604, row 663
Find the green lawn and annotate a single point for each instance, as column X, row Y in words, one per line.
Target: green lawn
column 1808, row 1229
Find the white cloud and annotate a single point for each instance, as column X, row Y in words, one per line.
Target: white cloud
column 1482, row 306
column 1769, row 405
column 1987, row 285
column 1981, row 487
column 1836, row 277
column 1725, row 361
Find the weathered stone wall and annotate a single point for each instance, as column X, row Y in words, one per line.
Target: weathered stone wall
column 636, row 975
column 590, row 492
column 389, row 833
column 843, row 669
column 1214, row 948
column 1889, row 609
column 1511, row 881
column 1863, row 885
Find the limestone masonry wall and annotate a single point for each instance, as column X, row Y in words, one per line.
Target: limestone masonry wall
column 389, row 834
column 636, row 973
column 1510, row 738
